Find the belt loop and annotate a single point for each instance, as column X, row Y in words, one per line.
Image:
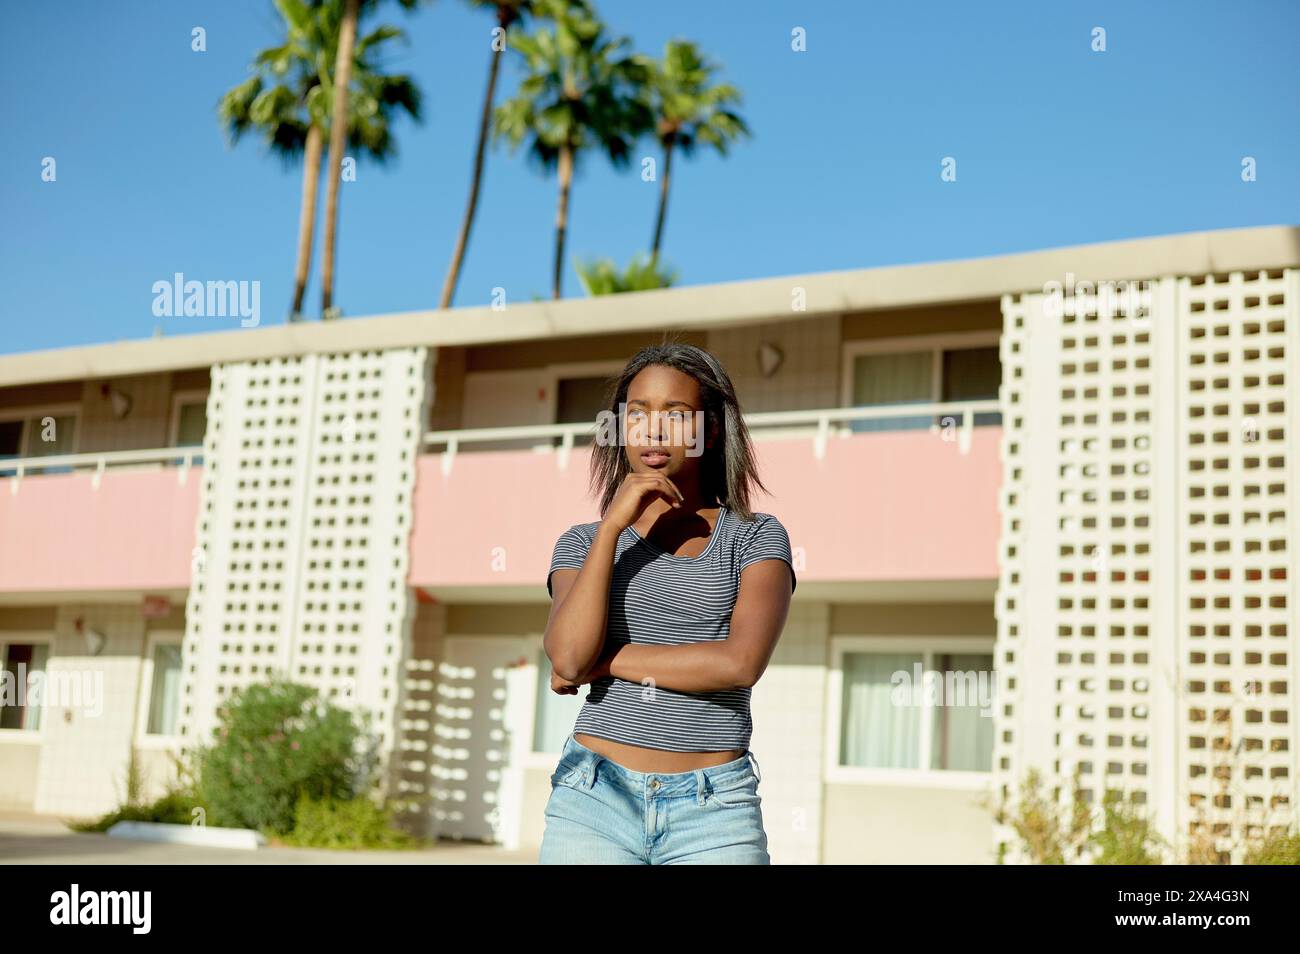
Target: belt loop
column 589, row 771
column 701, row 780
column 754, row 758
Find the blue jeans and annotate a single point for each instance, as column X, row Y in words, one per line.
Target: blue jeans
column 601, row 813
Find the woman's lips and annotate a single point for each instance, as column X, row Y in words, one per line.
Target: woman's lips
column 654, row 458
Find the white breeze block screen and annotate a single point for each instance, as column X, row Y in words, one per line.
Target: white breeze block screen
column 304, row 523
column 1144, row 634
column 1238, row 412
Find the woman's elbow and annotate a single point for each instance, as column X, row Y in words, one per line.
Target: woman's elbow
column 742, row 674
column 565, row 665
column 566, row 671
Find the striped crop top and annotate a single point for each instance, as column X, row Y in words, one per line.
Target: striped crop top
column 657, row 598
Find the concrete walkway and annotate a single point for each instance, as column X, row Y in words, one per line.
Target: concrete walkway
column 42, row 840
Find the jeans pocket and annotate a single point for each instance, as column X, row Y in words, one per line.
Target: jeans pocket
column 740, row 795
column 567, row 775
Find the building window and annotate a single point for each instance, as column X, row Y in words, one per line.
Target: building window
column 929, row 374
column 11, row 439
column 961, row 730
column 39, row 434
column 165, row 691
column 555, row 715
column 881, row 380
column 890, row 719
column 579, row 400
column 21, row 660
column 973, row 374
column 191, row 423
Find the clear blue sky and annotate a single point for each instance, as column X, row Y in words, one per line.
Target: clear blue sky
column 1055, row 145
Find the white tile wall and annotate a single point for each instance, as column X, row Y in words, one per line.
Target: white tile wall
column 84, row 756
column 788, row 706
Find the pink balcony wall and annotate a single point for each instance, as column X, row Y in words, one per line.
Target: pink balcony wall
column 889, row 506
column 133, row 532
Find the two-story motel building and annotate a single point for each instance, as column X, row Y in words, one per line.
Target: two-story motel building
column 1088, row 494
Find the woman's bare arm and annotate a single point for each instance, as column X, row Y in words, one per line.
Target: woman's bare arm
column 575, row 629
column 762, row 605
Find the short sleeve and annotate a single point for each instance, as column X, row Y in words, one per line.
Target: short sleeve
column 767, row 540
column 570, row 553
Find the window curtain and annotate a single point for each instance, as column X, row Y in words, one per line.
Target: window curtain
column 874, row 732
column 963, row 734
column 165, row 697
column 892, row 379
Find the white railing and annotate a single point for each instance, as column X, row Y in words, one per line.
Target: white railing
column 955, row 420
column 98, row 462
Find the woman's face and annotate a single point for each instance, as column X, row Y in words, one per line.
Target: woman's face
column 664, row 428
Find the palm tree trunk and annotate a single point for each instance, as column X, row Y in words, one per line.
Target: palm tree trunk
column 338, row 139
column 307, row 218
column 562, row 216
column 462, row 240
column 663, row 200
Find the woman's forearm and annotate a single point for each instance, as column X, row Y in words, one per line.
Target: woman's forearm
column 694, row 667
column 575, row 634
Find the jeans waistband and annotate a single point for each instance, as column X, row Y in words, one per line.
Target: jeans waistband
column 577, row 757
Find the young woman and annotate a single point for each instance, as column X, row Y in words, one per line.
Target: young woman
column 670, row 606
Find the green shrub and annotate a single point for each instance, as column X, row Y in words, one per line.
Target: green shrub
column 277, row 741
column 1275, row 849
column 1047, row 835
column 176, row 808
column 1053, row 834
column 1126, row 836
column 346, row 823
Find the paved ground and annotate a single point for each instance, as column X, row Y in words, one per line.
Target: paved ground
column 40, row 839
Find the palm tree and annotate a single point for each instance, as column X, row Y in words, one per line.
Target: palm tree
column 287, row 100
column 342, row 78
column 369, row 95
column 688, row 110
column 281, row 100
column 643, row 273
column 508, row 12
column 582, row 91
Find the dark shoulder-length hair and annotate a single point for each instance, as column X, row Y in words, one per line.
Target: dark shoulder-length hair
column 727, row 469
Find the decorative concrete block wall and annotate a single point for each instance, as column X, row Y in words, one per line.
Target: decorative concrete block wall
column 1239, row 656
column 1148, row 586
column 304, row 525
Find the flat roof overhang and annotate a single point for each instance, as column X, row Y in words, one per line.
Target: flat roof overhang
column 685, row 308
